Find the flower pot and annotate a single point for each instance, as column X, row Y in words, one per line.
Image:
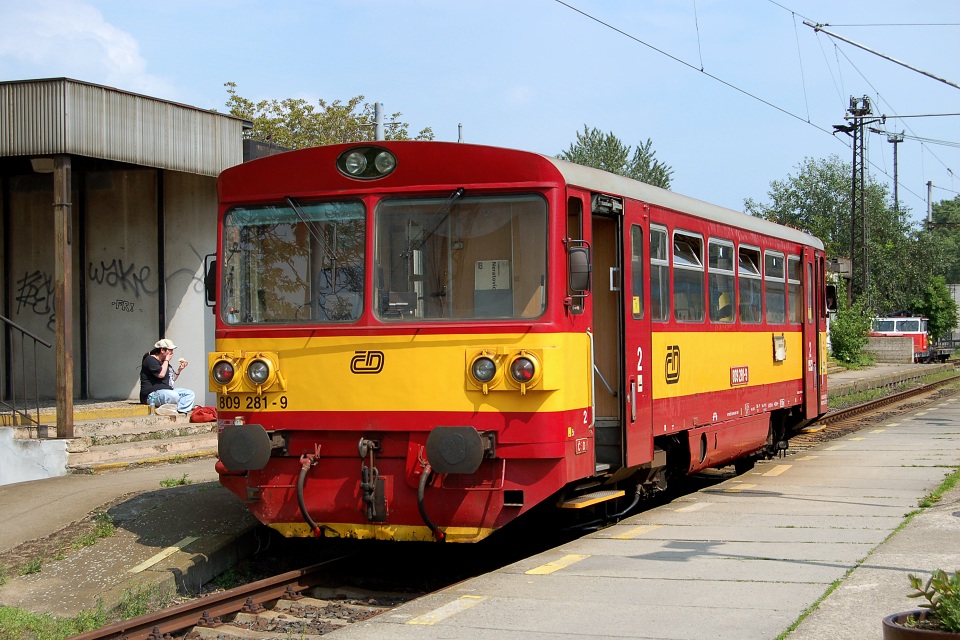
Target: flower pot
column 893, row 628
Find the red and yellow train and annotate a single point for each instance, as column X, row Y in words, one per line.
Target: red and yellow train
column 425, row 340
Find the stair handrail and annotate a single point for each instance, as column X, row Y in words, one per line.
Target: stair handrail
column 13, row 404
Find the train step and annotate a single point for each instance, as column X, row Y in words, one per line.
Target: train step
column 590, row 499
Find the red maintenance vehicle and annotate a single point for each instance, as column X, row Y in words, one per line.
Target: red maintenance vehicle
column 914, row 327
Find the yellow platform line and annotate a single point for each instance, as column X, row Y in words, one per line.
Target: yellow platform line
column 777, row 470
column 742, row 487
column 636, row 533
column 166, row 553
column 450, row 609
column 693, row 507
column 556, row 565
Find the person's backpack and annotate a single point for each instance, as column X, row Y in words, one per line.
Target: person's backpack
column 203, row 414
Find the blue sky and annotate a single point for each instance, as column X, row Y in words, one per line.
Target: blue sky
column 529, row 74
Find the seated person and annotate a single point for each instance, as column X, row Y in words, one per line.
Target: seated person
column 157, row 376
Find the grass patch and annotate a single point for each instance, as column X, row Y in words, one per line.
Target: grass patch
column 948, row 483
column 17, row 623
column 25, row 625
column 176, row 482
column 34, row 565
column 103, row 527
column 236, row 576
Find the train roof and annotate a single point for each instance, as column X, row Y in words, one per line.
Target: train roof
column 597, row 180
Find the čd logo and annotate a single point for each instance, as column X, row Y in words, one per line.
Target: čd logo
column 367, row 362
column 672, row 365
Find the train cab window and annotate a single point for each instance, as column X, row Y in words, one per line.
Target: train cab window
column 636, row 271
column 748, row 275
column 794, row 290
column 298, row 262
column 461, row 257
column 659, row 275
column 687, row 277
column 773, row 277
column 908, row 326
column 721, row 280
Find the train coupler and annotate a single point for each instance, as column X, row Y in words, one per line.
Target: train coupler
column 371, row 484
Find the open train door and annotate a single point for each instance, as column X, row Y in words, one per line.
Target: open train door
column 638, row 409
column 813, row 303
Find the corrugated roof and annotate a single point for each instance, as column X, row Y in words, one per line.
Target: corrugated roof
column 65, row 116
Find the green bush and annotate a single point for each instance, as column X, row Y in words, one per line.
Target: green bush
column 849, row 330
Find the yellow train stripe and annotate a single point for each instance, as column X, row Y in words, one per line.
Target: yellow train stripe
column 450, row 609
column 556, row 565
column 371, row 531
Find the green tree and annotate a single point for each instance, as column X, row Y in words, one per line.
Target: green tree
column 817, row 200
column 946, row 228
column 936, row 304
column 606, row 151
column 294, row 123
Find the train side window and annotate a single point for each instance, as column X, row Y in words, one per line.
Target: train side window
column 574, row 232
column 721, row 279
column 794, row 297
column 659, row 275
column 636, row 271
column 776, row 298
column 811, row 285
column 748, row 274
column 687, row 277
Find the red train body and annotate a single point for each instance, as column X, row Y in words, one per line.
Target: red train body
column 423, row 341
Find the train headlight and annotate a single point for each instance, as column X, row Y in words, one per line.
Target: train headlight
column 483, row 369
column 355, row 163
column 385, row 162
column 223, row 372
column 523, row 369
column 366, row 163
column 258, row 371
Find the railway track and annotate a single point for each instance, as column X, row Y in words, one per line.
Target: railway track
column 274, row 607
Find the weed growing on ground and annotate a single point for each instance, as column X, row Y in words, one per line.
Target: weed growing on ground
column 103, row 526
column 142, row 600
column 176, row 482
column 34, row 565
column 17, row 623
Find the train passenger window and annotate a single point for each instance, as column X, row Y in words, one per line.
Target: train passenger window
column 636, row 271
column 461, row 257
column 687, row 277
column 721, row 279
column 810, row 287
column 659, row 275
column 776, row 299
column 748, row 274
column 298, row 262
column 794, row 297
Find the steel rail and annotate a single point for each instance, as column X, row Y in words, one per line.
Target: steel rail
column 205, row 610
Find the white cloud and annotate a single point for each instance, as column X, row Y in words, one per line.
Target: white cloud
column 53, row 38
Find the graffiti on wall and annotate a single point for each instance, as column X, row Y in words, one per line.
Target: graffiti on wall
column 35, row 293
column 127, row 278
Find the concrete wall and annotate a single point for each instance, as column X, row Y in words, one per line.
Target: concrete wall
column 191, row 201
column 891, row 349
column 22, row 460
column 117, row 290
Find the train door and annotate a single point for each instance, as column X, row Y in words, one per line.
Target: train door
column 637, row 385
column 811, row 336
column 621, row 333
column 606, row 224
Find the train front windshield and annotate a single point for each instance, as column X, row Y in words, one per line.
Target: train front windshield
column 447, row 258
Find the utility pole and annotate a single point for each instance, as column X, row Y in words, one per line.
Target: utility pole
column 859, row 109
column 895, row 139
